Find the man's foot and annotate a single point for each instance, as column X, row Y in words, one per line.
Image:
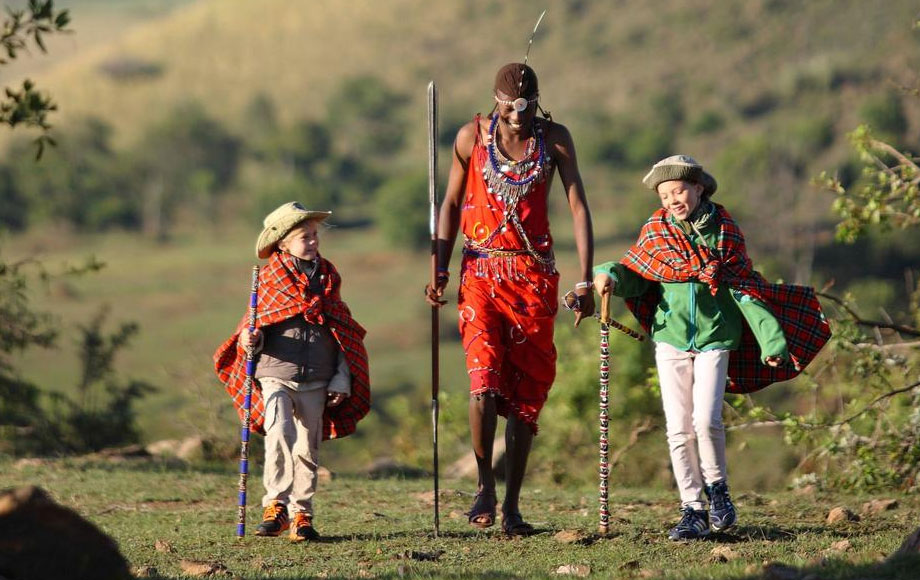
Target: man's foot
column 513, row 524
column 482, row 513
column 302, row 528
column 721, row 508
column 692, row 526
column 274, row 519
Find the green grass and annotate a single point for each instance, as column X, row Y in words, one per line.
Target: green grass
column 370, row 525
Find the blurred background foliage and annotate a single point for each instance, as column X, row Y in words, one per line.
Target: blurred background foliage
column 183, row 123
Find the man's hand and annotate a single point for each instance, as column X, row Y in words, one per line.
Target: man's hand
column 603, row 284
column 585, row 308
column 433, row 295
column 335, row 399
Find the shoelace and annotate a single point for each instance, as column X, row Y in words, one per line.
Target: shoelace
column 721, row 500
column 686, row 522
column 274, row 512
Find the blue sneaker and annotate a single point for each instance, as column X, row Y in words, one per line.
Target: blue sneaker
column 692, row 526
column 721, row 507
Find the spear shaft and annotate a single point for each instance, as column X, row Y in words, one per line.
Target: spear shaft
column 247, row 407
column 435, row 322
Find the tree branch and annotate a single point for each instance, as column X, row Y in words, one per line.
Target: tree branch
column 908, row 330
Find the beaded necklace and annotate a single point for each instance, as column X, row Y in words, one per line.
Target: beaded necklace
column 509, row 182
column 509, row 178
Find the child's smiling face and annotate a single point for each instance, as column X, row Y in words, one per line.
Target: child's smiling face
column 302, row 241
column 680, row 197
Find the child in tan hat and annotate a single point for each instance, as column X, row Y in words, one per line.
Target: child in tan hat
column 716, row 323
column 311, row 370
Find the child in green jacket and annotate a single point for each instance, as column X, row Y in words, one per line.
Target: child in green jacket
column 690, row 282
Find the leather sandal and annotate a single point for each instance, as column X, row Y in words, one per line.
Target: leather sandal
column 479, row 516
column 513, row 524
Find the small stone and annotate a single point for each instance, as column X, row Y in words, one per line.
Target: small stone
column 145, row 572
column 163, row 546
column 579, row 570
column 198, row 568
column 630, row 565
column 722, row 554
column 877, row 506
column 568, row 536
column 841, row 514
column 775, row 571
column 841, row 546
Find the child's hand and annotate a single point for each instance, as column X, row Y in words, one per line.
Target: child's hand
column 247, row 340
column 335, row 399
column 603, row 284
column 774, row 361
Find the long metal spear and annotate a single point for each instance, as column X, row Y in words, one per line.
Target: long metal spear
column 247, row 407
column 435, row 322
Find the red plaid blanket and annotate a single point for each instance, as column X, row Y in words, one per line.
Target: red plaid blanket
column 664, row 254
column 283, row 293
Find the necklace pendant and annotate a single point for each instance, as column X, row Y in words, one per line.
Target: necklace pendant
column 504, row 168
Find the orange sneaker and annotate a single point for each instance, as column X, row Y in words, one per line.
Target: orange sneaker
column 302, row 529
column 274, row 520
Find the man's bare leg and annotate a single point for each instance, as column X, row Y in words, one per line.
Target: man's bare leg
column 483, row 421
column 518, row 440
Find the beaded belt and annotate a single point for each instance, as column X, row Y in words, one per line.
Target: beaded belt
column 492, row 253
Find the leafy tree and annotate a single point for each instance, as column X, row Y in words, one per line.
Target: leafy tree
column 867, row 435
column 399, row 215
column 27, row 106
column 184, row 161
column 368, row 117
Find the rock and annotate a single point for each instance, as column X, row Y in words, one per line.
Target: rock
column 579, row 570
column 774, row 571
column 191, row 449
column 163, row 546
column 568, row 536
column 841, row 514
column 465, row 467
column 41, row 539
column 145, row 572
column 388, row 467
column 199, row 568
column 722, row 554
column 629, row 565
column 841, row 546
column 163, row 447
column 31, row 462
column 324, row 475
column 877, row 506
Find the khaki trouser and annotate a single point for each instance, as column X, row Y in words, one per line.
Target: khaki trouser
column 692, row 389
column 293, row 432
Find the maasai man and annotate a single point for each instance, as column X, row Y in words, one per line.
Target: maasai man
column 497, row 194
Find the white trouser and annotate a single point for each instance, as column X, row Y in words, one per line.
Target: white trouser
column 692, row 389
column 293, row 432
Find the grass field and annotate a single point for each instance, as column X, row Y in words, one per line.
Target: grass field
column 383, row 529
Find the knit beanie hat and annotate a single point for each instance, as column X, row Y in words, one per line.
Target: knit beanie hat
column 680, row 167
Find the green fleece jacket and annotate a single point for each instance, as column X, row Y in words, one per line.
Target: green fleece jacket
column 689, row 317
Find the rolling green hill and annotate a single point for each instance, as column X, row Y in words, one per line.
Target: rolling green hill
column 762, row 91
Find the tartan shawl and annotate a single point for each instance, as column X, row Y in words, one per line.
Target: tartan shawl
column 283, row 293
column 663, row 253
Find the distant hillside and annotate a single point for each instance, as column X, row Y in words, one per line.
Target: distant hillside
column 592, row 56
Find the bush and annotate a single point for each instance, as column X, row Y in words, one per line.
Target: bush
column 402, row 210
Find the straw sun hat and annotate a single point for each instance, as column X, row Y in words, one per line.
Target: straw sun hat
column 278, row 223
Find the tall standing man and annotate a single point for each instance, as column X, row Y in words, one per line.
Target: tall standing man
column 497, row 195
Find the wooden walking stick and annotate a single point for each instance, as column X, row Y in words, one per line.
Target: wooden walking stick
column 247, row 407
column 435, row 323
column 604, row 469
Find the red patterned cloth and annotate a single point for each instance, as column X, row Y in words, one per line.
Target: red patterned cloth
column 507, row 303
column 664, row 254
column 284, row 292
